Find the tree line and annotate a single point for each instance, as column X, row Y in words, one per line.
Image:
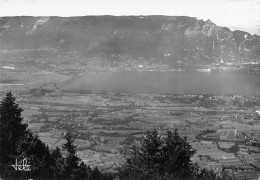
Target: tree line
column 157, row 157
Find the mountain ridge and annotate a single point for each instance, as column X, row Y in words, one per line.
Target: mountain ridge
column 170, row 39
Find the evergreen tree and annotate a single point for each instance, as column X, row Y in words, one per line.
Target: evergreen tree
column 158, row 157
column 57, row 163
column 84, row 172
column 38, row 154
column 71, row 159
column 144, row 162
column 96, row 174
column 11, row 132
column 176, row 154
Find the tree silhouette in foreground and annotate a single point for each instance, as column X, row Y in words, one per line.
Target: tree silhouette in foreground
column 11, row 132
column 162, row 157
column 38, row 155
column 71, row 160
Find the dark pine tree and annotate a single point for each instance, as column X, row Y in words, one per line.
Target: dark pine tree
column 11, row 132
column 57, row 163
column 162, row 157
column 71, row 160
column 144, row 161
column 39, row 156
column 84, row 172
column 176, row 154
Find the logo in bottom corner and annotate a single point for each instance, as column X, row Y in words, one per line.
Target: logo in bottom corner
column 22, row 167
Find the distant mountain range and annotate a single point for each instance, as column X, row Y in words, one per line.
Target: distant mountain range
column 177, row 39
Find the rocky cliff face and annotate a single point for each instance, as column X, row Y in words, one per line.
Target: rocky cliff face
column 169, row 39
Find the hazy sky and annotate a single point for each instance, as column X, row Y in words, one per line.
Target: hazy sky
column 235, row 14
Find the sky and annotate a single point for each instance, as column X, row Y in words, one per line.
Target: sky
column 235, row 14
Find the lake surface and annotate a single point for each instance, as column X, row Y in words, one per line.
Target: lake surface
column 170, row 82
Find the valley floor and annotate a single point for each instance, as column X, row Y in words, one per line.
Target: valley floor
column 224, row 129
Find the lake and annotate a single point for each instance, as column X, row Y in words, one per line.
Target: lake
column 170, row 82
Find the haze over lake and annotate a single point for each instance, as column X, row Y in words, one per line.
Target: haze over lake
column 157, row 82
